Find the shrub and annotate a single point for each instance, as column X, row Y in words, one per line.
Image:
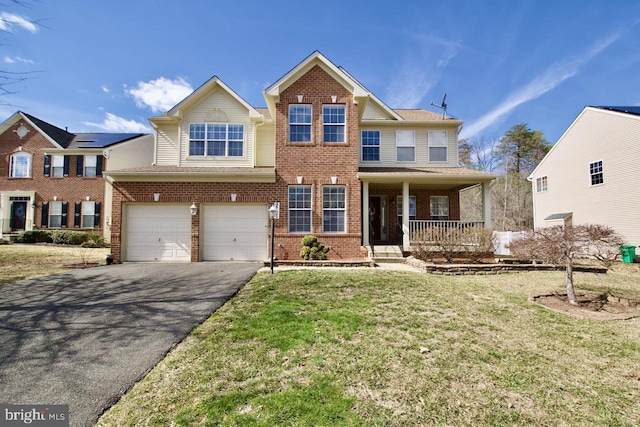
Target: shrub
column 94, row 240
column 34, row 236
column 469, row 243
column 68, row 237
column 312, row 249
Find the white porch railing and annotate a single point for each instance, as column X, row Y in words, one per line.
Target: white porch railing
column 433, row 231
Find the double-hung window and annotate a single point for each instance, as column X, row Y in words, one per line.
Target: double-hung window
column 20, row 165
column 300, row 209
column 333, row 123
column 405, row 146
column 55, row 214
column 439, row 207
column 216, row 139
column 333, row 209
column 413, row 207
column 370, row 145
column 541, row 184
column 438, row 146
column 57, row 166
column 90, row 166
column 596, row 173
column 88, row 214
column 299, row 123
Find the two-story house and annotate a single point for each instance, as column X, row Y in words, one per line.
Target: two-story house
column 342, row 165
column 589, row 175
column 52, row 179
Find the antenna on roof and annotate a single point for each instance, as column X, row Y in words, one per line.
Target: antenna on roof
column 443, row 106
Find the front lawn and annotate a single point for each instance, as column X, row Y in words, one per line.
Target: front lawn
column 369, row 347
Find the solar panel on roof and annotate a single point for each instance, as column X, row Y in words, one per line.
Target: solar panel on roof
column 635, row 110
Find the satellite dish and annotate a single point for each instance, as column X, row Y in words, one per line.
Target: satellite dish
column 443, row 105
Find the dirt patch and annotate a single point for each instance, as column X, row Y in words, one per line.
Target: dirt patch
column 592, row 306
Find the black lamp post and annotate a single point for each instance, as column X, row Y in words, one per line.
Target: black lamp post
column 274, row 213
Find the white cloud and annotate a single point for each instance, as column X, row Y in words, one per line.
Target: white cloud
column 161, row 94
column 10, row 60
column 420, row 71
column 547, row 81
column 113, row 123
column 105, row 89
column 9, row 20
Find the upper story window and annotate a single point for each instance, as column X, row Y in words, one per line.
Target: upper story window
column 541, row 184
column 439, row 207
column 300, row 123
column 438, row 143
column 405, row 146
column 20, row 165
column 58, row 166
column 370, row 145
column 333, row 209
column 90, row 166
column 333, row 123
column 300, row 209
column 216, row 139
column 596, row 173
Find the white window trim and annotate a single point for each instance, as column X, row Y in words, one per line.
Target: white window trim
column 226, row 141
column 539, row 181
column 310, row 124
column 85, row 166
column 400, row 143
column 60, row 167
column 344, row 225
column 50, row 213
column 12, row 164
column 82, row 214
column 343, row 124
column 591, row 174
column 439, row 197
column 433, row 145
column 289, row 209
column 362, row 147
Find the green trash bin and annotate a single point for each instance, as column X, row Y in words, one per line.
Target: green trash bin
column 628, row 253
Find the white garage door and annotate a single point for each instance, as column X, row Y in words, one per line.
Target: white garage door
column 158, row 233
column 235, row 232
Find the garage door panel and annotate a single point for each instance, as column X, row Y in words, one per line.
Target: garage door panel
column 158, row 233
column 235, row 232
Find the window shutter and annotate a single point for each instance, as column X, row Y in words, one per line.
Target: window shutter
column 77, row 217
column 79, row 165
column 47, row 165
column 99, row 165
column 64, row 214
column 44, row 221
column 66, row 166
column 96, row 221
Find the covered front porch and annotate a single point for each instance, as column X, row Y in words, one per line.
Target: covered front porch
column 400, row 203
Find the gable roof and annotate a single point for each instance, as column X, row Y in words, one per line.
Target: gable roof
column 206, row 88
column 634, row 110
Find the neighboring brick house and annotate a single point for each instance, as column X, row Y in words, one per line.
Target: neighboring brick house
column 52, row 179
column 336, row 158
column 588, row 176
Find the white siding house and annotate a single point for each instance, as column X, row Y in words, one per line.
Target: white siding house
column 590, row 174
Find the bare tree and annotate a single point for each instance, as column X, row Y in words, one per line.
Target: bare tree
column 563, row 245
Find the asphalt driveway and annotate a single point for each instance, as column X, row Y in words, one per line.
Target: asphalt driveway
column 85, row 337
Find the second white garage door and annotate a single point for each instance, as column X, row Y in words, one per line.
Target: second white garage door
column 234, row 232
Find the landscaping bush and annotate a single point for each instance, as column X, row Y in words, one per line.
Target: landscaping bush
column 67, row 237
column 312, row 249
column 34, row 236
column 94, row 240
column 470, row 244
column 85, row 239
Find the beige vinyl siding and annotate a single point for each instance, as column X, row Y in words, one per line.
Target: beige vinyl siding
column 595, row 135
column 373, row 112
column 388, row 148
column 167, row 145
column 265, row 145
column 222, row 104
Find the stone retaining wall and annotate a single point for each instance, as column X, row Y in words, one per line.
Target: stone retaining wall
column 484, row 269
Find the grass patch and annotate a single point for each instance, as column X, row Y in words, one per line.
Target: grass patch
column 26, row 261
column 367, row 347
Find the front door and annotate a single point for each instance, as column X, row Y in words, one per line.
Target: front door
column 18, row 215
column 378, row 219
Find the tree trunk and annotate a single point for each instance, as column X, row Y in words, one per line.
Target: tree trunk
column 571, row 295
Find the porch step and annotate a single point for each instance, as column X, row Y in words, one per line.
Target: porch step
column 386, row 254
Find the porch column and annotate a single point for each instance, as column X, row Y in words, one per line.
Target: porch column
column 486, row 204
column 365, row 214
column 405, row 217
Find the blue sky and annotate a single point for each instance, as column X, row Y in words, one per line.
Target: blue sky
column 108, row 66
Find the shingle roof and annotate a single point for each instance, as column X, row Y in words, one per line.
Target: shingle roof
column 635, row 110
column 60, row 136
column 418, row 115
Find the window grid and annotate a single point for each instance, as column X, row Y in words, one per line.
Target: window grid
column 300, row 209
column 333, row 121
column 55, row 214
column 333, row 209
column 57, row 166
column 300, row 123
column 88, row 214
column 541, row 184
column 370, row 145
column 20, row 166
column 439, row 207
column 216, row 139
column 596, row 171
column 90, row 166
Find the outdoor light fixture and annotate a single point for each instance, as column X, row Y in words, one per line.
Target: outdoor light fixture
column 156, row 197
column 88, row 198
column 193, row 209
column 234, row 196
column 274, row 213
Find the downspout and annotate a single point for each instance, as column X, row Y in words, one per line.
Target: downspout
column 255, row 140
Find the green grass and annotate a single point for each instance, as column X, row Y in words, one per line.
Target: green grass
column 367, row 347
